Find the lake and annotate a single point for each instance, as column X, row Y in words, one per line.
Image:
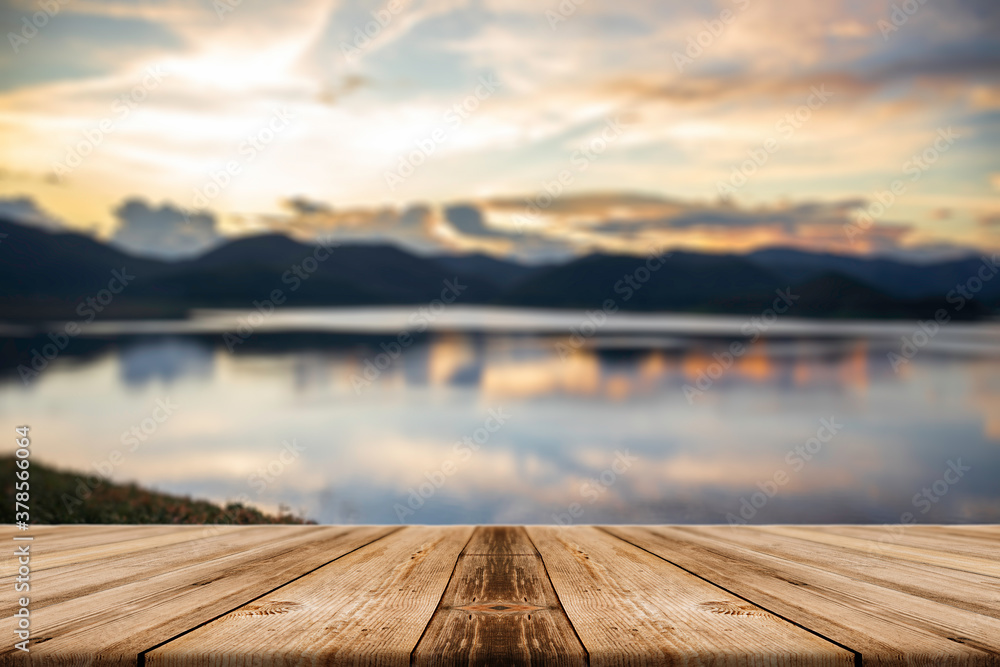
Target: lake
column 482, row 415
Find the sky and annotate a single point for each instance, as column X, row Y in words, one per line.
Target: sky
column 531, row 129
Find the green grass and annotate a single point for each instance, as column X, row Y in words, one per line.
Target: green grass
column 58, row 496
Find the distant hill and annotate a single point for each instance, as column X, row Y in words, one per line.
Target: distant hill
column 49, row 275
column 690, row 282
column 683, row 282
column 87, row 498
column 834, row 295
column 46, row 276
column 895, row 278
column 502, row 273
column 251, row 268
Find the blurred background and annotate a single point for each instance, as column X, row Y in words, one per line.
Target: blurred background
column 465, row 261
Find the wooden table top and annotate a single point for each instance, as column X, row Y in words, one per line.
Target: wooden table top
column 515, row 595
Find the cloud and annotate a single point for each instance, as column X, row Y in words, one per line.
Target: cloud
column 26, row 211
column 304, row 206
column 166, row 232
column 634, row 223
column 595, row 204
column 989, row 219
column 603, row 222
column 413, row 226
column 333, row 93
column 789, row 219
column 686, row 130
column 468, row 221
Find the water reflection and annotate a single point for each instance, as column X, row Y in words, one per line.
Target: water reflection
column 391, row 439
column 166, row 359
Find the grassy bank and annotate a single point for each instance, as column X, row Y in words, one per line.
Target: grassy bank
column 58, row 496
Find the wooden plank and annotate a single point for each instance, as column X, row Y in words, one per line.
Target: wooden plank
column 107, row 547
column 104, row 594
column 898, row 549
column 53, row 534
column 630, row 607
column 113, row 626
column 500, row 540
column 369, row 607
column 885, row 626
column 499, row 608
column 981, row 531
column 984, row 530
column 75, row 580
column 973, row 592
column 53, row 540
column 934, row 538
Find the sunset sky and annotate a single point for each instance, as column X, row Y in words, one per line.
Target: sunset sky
column 723, row 125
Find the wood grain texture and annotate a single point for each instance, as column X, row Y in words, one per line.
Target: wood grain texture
column 973, row 592
column 693, row 595
column 499, row 608
column 630, row 607
column 885, row 626
column 946, row 540
column 78, row 573
column 60, row 538
column 55, row 545
column 114, row 625
column 978, row 531
column 368, row 608
column 882, row 541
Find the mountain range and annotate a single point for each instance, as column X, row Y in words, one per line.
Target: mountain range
column 50, row 276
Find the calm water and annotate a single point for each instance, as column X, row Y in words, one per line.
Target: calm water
column 479, row 421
